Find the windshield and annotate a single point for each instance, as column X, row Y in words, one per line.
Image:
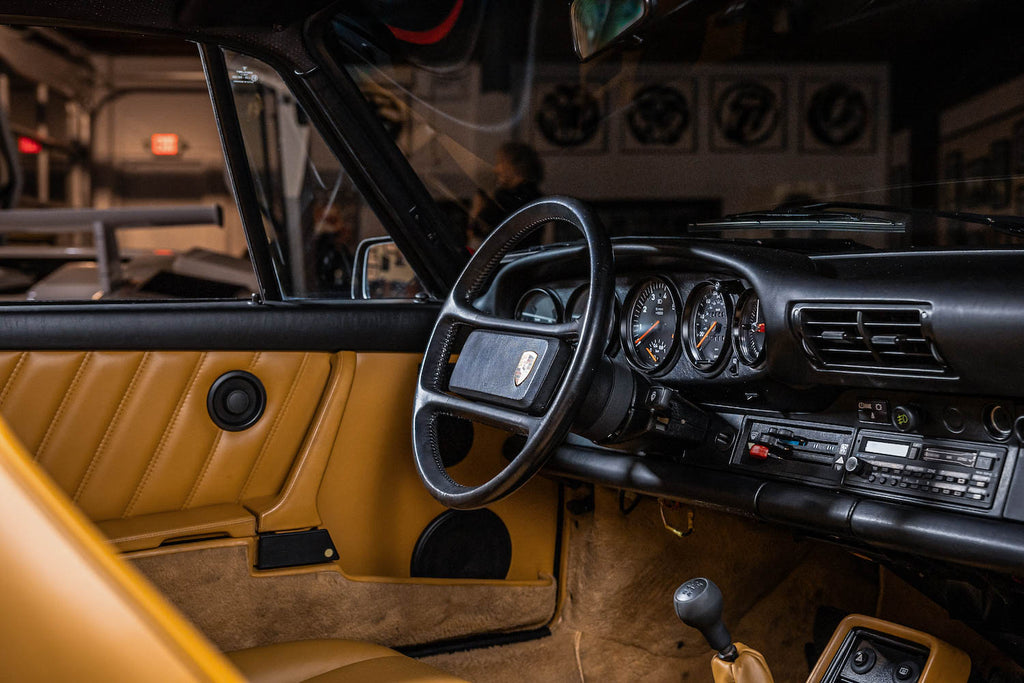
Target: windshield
column 713, row 113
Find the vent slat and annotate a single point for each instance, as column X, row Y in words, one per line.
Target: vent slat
column 895, row 341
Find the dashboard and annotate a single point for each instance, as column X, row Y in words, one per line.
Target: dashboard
column 873, row 398
column 700, row 319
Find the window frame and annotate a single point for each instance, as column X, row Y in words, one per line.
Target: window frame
column 390, row 187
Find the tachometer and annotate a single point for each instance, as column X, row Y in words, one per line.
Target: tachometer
column 649, row 328
column 749, row 330
column 708, row 326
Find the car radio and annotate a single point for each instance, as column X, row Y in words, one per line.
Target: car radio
column 955, row 472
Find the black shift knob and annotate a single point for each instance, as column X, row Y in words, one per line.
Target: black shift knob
column 698, row 603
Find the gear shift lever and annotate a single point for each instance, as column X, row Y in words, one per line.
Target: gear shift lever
column 698, row 604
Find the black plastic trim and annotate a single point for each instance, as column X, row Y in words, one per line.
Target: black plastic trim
column 208, row 326
column 816, row 510
column 239, row 171
column 946, row 536
column 353, row 131
column 967, row 540
column 656, row 477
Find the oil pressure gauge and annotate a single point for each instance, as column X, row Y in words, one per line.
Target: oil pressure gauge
column 709, row 322
column 749, row 328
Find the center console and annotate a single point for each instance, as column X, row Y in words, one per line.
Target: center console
column 867, row 650
column 908, row 459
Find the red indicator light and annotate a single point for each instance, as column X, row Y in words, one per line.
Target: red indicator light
column 760, row 327
column 164, row 144
column 163, row 252
column 28, row 145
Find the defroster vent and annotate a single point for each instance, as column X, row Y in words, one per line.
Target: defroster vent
column 889, row 338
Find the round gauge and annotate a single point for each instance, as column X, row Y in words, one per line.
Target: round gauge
column 539, row 306
column 577, row 306
column 650, row 324
column 749, row 329
column 708, row 320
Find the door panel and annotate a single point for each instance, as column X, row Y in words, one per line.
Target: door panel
column 374, row 503
column 127, row 434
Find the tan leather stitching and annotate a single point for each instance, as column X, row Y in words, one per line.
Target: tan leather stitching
column 155, row 457
column 13, row 376
column 202, row 472
column 105, row 440
column 273, row 429
column 213, row 448
column 64, row 403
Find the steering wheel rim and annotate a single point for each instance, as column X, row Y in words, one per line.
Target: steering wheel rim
column 543, row 432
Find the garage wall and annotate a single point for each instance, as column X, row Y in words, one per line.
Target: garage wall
column 148, row 95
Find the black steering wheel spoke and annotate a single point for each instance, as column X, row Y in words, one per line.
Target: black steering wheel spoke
column 464, row 314
column 531, row 381
column 501, row 417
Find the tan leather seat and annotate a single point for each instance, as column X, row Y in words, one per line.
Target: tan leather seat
column 74, row 610
column 331, row 661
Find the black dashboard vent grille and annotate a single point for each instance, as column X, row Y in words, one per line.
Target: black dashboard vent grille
column 889, row 338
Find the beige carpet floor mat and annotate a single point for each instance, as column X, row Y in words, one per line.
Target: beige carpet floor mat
column 235, row 609
column 618, row 623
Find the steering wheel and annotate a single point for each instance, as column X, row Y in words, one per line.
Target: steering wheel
column 525, row 377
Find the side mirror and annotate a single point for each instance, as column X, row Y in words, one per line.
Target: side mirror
column 380, row 271
column 600, row 24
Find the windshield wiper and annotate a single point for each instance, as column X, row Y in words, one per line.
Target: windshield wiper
column 802, row 218
column 1010, row 225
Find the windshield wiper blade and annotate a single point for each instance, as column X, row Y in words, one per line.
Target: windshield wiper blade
column 1010, row 225
column 795, row 219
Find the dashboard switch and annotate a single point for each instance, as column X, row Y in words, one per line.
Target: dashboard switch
column 906, row 418
column 905, row 672
column 873, row 410
column 759, row 451
column 863, row 660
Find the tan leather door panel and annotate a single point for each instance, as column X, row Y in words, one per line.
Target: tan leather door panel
column 127, row 434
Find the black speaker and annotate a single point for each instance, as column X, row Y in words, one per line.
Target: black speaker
column 454, row 439
column 463, row 544
column 236, row 400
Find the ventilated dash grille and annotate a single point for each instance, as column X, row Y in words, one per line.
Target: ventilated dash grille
column 891, row 339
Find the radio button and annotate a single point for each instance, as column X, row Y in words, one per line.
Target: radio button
column 984, row 462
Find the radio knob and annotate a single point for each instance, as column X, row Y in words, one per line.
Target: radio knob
column 906, row 418
column 855, row 465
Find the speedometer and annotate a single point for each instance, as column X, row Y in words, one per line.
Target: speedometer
column 708, row 326
column 650, row 324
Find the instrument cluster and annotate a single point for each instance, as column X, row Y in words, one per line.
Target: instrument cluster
column 708, row 322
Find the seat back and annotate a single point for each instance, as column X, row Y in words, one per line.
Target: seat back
column 70, row 608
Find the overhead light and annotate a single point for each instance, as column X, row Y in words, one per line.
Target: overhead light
column 164, row 144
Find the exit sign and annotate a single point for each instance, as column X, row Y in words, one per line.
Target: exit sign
column 164, row 144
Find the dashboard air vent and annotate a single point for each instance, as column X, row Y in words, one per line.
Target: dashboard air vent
column 894, row 339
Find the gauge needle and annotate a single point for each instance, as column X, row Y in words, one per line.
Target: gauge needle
column 641, row 337
column 651, row 354
column 704, row 338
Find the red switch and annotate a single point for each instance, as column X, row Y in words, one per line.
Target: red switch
column 759, row 451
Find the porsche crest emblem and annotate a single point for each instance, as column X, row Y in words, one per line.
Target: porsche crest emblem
column 525, row 367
